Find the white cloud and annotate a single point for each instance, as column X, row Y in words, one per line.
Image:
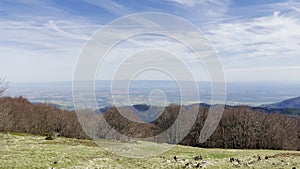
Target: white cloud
column 260, row 34
column 52, row 25
column 39, row 48
column 200, row 2
column 255, row 44
column 295, row 9
column 110, row 6
column 185, row 2
column 203, row 12
column 145, row 49
column 52, row 41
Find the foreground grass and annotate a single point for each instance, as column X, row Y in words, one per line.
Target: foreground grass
column 28, row 151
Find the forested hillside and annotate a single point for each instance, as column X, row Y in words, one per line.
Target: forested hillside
column 240, row 127
column 293, row 103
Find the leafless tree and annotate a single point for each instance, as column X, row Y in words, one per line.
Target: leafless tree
column 3, row 86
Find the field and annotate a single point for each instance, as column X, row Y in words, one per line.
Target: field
column 29, row 151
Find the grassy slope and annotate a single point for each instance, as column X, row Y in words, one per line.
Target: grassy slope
column 27, row 151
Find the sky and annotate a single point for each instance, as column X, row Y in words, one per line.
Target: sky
column 40, row 41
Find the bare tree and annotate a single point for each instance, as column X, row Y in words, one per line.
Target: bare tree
column 3, row 86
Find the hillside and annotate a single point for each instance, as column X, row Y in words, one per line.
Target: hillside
column 293, row 103
column 240, row 127
column 286, row 111
column 288, row 107
column 29, row 151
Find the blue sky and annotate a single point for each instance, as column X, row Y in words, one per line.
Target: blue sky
column 255, row 40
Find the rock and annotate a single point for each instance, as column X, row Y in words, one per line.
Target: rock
column 187, row 165
column 49, row 137
column 235, row 164
column 203, row 162
column 239, row 161
column 198, row 165
column 251, row 162
column 175, row 158
column 197, row 158
column 258, row 158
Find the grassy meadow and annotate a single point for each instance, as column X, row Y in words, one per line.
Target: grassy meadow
column 30, row 151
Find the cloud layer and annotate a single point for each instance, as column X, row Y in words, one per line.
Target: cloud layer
column 41, row 40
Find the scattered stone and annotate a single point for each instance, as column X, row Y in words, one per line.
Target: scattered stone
column 55, row 162
column 258, row 158
column 251, row 162
column 266, row 157
column 165, row 160
column 187, row 164
column 239, row 161
column 294, row 168
column 203, row 162
column 175, row 158
column 197, row 158
column 186, row 161
column 231, row 160
column 235, row 164
column 198, row 165
column 49, row 137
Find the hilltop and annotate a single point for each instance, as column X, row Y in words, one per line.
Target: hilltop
column 289, row 107
column 293, row 103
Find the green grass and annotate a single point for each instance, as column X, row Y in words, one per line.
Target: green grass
column 29, row 151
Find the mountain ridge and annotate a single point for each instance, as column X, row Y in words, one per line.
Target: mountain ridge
column 293, row 103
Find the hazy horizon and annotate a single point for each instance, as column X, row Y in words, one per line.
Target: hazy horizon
column 237, row 93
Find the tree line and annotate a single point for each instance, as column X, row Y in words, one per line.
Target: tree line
column 19, row 115
column 240, row 127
